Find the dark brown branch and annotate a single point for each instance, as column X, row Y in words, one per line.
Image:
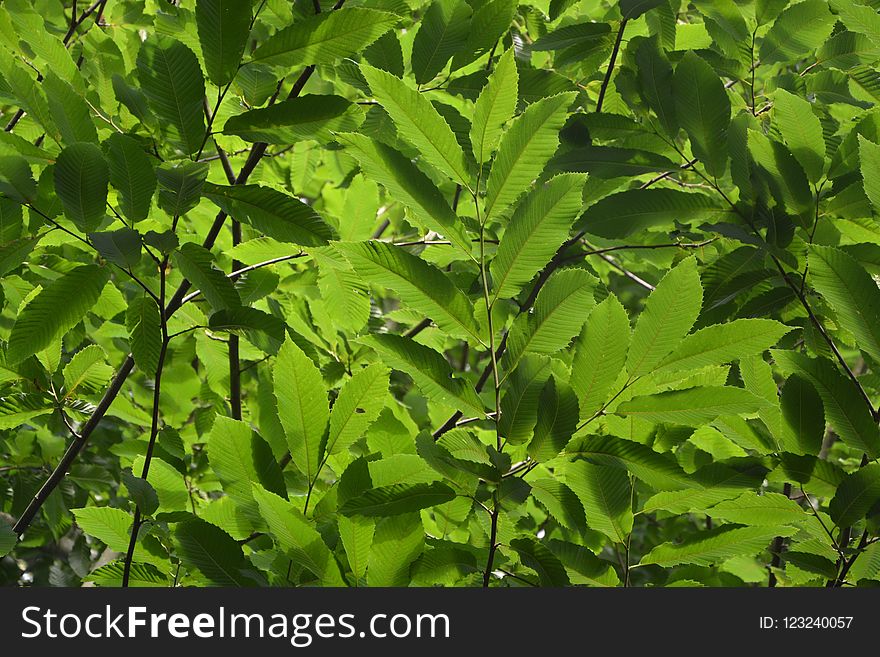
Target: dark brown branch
column 611, row 63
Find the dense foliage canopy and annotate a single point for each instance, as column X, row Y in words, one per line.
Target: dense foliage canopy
column 439, row 292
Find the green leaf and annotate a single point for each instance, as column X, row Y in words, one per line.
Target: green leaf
column 213, row 552
column 869, row 157
column 796, row 31
column 612, row 162
column 172, row 82
column 851, row 292
column 703, row 110
column 397, row 543
column 356, row 534
column 141, row 492
column 18, row 409
column 8, row 539
column 55, row 310
column 140, row 575
column 168, row 483
column 144, row 324
column 536, row 556
column 420, row 285
column 560, row 311
column 712, row 546
column 299, row 540
column 693, row 406
column 240, row 458
column 801, row 131
column 844, row 407
column 273, row 213
column 180, row 186
column 397, row 499
column 428, row 369
column 81, row 179
column 324, row 38
column 358, row 405
column 409, row 185
column 525, row 149
column 655, row 76
column 632, row 211
column 110, row 526
column 561, row 502
column 419, row 123
column 669, row 314
column 583, row 566
column 600, row 354
column 262, row 329
column 539, row 226
column 804, row 415
column 69, row 111
column 723, row 343
column 521, row 398
column 306, row 117
column 494, row 107
column 121, row 247
column 770, row 509
column 302, row 407
column 606, row 494
column 132, row 174
column 632, row 9
column 556, row 422
column 224, row 27
column 856, row 495
column 659, row 471
column 196, row 264
column 87, row 371
column 443, row 32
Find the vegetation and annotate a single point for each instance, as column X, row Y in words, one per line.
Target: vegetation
column 444, row 292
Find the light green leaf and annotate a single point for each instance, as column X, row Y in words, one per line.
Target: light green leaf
column 692, row 406
column 869, row 157
column 428, row 368
column 796, row 31
column 419, row 123
column 273, row 213
column 606, row 494
column 296, row 536
column 358, row 405
column 443, row 32
column 851, row 292
column 87, row 371
column 409, row 185
column 397, row 543
column 801, row 131
column 324, row 38
column 539, row 226
column 494, row 107
column 420, row 285
column 600, row 354
column 197, row 266
column 302, row 407
column 561, row 309
column 669, row 314
column 55, row 310
column 712, row 546
column 525, row 149
column 723, row 343
column 771, row 509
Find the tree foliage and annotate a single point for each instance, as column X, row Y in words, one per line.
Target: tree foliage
column 448, row 292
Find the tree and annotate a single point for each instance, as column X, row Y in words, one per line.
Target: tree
column 463, row 294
